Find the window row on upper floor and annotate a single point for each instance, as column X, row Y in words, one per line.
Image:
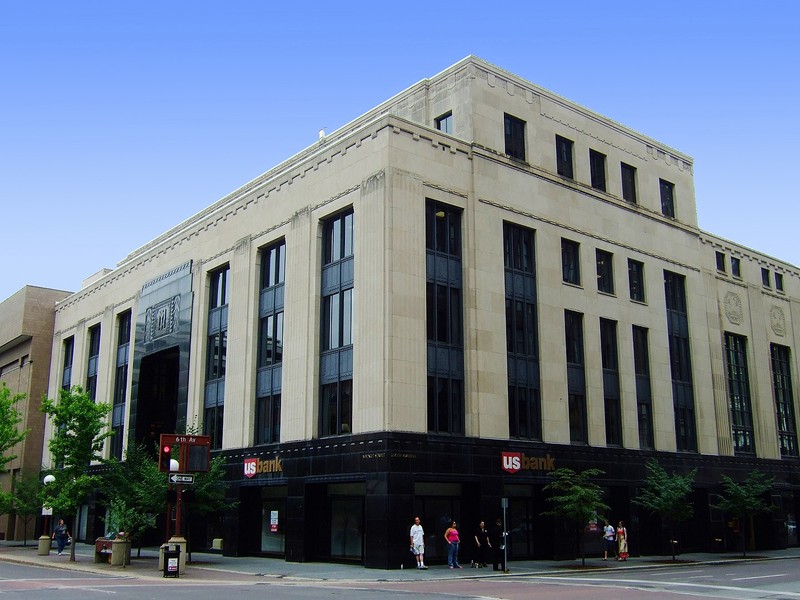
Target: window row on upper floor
column 736, row 271
column 604, row 265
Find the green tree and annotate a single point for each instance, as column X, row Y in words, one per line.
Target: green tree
column 10, row 436
column 27, row 499
column 666, row 495
column 576, row 499
column 745, row 500
column 137, row 492
column 80, row 426
column 208, row 493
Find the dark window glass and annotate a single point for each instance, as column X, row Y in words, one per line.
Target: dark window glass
column 739, row 394
column 444, row 316
column 338, row 237
column 605, row 271
column 444, row 123
column 721, row 262
column 680, row 361
column 765, row 277
column 667, row 198
column 573, row 329
column 636, row 280
column 268, row 420
column 779, row 282
column 736, row 267
column 644, row 405
column 784, row 399
column 597, row 165
column 217, row 355
column 524, row 412
column 445, row 405
column 570, row 262
column 515, row 137
column 273, row 265
column 628, row 183
column 564, row 156
column 120, row 383
column 219, row 288
column 578, row 431
column 66, row 373
column 610, row 362
column 91, row 368
column 336, row 405
column 212, row 424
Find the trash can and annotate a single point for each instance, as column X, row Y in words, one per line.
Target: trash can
column 172, row 560
column 45, row 543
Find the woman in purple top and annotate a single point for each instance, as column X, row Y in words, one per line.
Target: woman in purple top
column 452, row 539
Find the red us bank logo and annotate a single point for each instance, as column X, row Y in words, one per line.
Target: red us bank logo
column 254, row 466
column 515, row 461
column 512, row 461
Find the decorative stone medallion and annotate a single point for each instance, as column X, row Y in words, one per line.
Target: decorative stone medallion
column 733, row 308
column 777, row 320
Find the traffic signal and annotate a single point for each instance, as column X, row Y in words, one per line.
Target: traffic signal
column 164, row 456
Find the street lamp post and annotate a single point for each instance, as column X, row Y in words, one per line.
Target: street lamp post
column 45, row 539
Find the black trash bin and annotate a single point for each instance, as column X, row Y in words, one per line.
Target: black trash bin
column 172, row 560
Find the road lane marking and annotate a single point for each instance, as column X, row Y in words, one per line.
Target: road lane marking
column 759, row 577
column 653, row 582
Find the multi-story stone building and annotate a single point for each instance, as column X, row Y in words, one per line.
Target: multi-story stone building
column 26, row 338
column 431, row 308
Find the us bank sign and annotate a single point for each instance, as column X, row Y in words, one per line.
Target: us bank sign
column 518, row 461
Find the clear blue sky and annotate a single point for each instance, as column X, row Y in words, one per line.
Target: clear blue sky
column 120, row 119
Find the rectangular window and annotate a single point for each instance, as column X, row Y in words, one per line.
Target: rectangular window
column 765, row 277
column 268, row 420
column 779, row 282
column 91, row 367
column 570, row 262
column 680, row 361
column 120, row 383
column 721, row 262
column 564, row 157
column 576, row 378
column 628, row 183
column 216, row 354
column 667, row 198
column 644, row 401
column 736, row 267
column 636, row 280
column 444, row 123
column 597, row 166
column 270, row 344
column 444, row 319
column 522, row 345
column 515, row 137
column 66, row 371
column 611, row 387
column 573, row 333
column 336, row 358
column 605, row 271
column 784, row 399
column 739, row 394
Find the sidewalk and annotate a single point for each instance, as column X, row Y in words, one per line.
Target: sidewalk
column 215, row 567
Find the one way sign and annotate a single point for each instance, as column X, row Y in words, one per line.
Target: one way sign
column 181, row 478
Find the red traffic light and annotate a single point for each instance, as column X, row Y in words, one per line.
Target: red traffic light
column 164, row 456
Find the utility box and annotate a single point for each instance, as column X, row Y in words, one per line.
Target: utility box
column 172, row 560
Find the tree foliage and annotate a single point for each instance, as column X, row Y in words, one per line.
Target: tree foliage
column 666, row 495
column 10, row 435
column 79, row 426
column 745, row 499
column 137, row 492
column 576, row 498
column 27, row 499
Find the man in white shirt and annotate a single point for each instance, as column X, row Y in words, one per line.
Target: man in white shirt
column 417, row 539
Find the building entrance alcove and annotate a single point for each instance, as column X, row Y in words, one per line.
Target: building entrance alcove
column 157, row 398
